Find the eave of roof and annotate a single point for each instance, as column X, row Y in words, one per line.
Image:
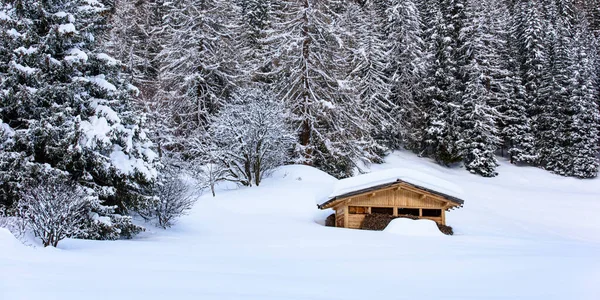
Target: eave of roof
column 457, row 201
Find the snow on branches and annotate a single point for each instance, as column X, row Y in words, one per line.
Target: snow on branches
column 251, row 136
column 55, row 210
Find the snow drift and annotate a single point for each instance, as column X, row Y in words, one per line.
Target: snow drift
column 8, row 240
column 409, row 227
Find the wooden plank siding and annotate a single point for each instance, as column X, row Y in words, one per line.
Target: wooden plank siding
column 339, row 217
column 355, row 221
column 400, row 198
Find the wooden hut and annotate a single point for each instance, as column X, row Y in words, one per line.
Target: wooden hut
column 395, row 192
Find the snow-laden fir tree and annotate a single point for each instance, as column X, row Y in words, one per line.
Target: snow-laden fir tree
column 406, row 69
column 333, row 134
column 251, row 136
column 530, row 39
column 197, row 67
column 252, row 39
column 552, row 108
column 69, row 107
column 367, row 69
column 591, row 11
column 511, row 100
column 444, row 84
column 477, row 136
column 584, row 141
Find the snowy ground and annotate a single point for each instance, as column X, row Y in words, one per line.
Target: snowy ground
column 526, row 234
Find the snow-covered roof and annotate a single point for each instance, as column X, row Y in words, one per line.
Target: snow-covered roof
column 358, row 184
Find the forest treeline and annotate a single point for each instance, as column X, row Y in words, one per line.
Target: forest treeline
column 456, row 80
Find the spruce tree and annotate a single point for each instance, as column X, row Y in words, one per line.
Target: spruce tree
column 511, row 102
column 332, row 133
column 444, row 85
column 253, row 32
column 368, row 59
column 69, row 106
column 583, row 136
column 198, row 68
column 477, row 137
column 406, row 69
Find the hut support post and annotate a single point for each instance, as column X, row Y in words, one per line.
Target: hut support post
column 443, row 216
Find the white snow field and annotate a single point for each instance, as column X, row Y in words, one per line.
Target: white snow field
column 526, row 234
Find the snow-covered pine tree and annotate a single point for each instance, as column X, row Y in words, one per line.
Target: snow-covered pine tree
column 197, row 67
column 444, row 84
column 406, row 68
column 69, row 108
column 476, row 121
column 252, row 44
column 332, row 133
column 584, row 142
column 529, row 30
column 368, row 66
column 591, row 11
column 513, row 122
column 551, row 108
column 11, row 162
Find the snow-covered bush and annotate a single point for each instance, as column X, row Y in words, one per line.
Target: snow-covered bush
column 15, row 224
column 173, row 199
column 54, row 210
column 251, row 136
column 210, row 173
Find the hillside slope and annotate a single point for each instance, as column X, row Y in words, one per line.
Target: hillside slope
column 525, row 234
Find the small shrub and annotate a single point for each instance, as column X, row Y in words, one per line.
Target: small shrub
column 173, row 199
column 13, row 222
column 54, row 210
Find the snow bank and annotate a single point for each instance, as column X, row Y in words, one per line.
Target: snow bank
column 8, row 240
column 415, row 177
column 404, row 226
column 302, row 173
column 527, row 229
